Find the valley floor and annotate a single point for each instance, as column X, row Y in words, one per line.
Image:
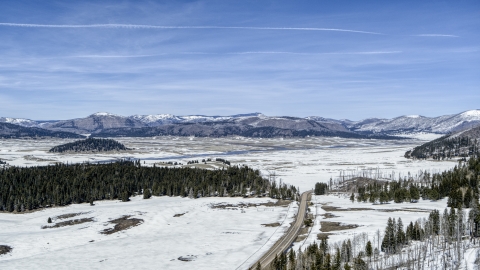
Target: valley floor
column 201, row 236
column 211, row 238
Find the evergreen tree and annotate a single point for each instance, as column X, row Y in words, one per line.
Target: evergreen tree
column 400, row 234
column 337, row 260
column 389, row 241
column 146, row 193
column 321, row 188
column 369, row 250
column 383, row 197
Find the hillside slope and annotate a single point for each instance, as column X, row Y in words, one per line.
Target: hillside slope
column 461, row 144
column 94, row 123
column 417, row 123
column 15, row 131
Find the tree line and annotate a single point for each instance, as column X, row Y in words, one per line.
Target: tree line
column 460, row 185
column 88, row 145
column 415, row 247
column 446, row 148
column 31, row 188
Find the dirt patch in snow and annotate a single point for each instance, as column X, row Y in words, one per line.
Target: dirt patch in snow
column 70, row 215
column 34, row 158
column 5, row 249
column 283, row 203
column 68, row 223
column 123, row 223
column 302, row 234
column 323, row 236
column 328, row 215
column 405, row 210
column 329, row 208
column 275, row 224
column 328, row 226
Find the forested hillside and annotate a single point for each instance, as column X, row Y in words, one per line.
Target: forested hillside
column 37, row 187
column 460, row 185
column 222, row 129
column 90, row 145
column 15, row 131
column 462, row 144
column 446, row 147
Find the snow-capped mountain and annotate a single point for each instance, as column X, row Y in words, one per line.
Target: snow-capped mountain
column 93, row 123
column 101, row 121
column 157, row 119
column 417, row 123
column 164, row 119
column 19, row 121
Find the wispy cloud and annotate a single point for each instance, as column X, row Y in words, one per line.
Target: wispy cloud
column 235, row 53
column 200, row 27
column 146, row 26
column 435, row 35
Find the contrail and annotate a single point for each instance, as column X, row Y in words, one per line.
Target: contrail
column 145, row 26
column 235, row 53
column 434, row 35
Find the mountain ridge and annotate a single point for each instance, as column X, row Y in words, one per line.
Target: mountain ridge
column 101, row 122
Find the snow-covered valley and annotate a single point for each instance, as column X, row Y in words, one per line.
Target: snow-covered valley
column 205, row 236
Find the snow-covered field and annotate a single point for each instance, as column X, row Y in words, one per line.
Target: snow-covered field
column 301, row 162
column 214, row 238
column 369, row 219
column 218, row 238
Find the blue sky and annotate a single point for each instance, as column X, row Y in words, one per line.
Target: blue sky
column 337, row 59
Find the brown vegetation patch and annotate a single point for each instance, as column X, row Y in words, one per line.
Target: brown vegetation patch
column 416, row 210
column 329, row 215
column 65, row 216
column 276, row 224
column 302, row 234
column 405, row 210
column 179, row 215
column 283, row 203
column 300, row 238
column 69, row 223
column 323, row 236
column 5, row 249
column 123, row 223
column 329, row 208
column 328, row 226
column 34, row 158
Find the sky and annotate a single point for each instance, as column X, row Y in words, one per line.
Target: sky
column 336, row 59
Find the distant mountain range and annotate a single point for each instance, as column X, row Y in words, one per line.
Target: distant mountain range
column 8, row 130
column 251, row 125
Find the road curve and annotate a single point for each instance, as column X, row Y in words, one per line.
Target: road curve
column 284, row 243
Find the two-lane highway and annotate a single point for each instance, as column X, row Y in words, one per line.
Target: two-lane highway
column 283, row 243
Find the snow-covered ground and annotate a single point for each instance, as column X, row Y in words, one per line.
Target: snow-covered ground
column 219, row 238
column 367, row 216
column 214, row 238
column 297, row 161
